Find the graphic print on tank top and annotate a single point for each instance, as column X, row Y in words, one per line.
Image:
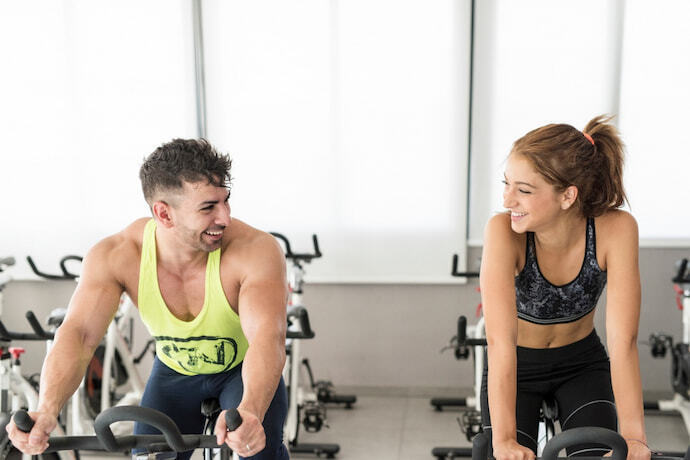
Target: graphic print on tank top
column 215, row 354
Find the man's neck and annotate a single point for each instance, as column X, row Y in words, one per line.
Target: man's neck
column 175, row 256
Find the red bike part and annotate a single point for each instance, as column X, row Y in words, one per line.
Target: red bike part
column 16, row 352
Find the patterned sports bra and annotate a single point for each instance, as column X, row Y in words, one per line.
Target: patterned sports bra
column 539, row 301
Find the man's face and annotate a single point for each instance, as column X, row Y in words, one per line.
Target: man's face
column 201, row 213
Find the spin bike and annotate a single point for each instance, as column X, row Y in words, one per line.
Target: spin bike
column 158, row 447
column 306, row 406
column 680, row 352
column 112, row 368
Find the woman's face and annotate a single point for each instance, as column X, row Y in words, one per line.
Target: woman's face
column 533, row 203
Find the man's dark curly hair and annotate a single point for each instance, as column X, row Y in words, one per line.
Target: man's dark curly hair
column 183, row 160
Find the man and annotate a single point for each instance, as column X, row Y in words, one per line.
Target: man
column 210, row 289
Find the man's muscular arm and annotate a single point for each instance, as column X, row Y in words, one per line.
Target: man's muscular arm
column 262, row 303
column 92, row 307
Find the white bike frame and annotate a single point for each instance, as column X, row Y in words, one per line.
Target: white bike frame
column 679, row 403
column 292, row 367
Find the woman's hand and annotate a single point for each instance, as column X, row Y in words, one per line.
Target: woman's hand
column 511, row 450
column 638, row 450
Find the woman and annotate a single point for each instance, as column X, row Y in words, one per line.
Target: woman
column 549, row 259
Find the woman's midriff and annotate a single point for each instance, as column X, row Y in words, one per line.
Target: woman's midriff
column 531, row 335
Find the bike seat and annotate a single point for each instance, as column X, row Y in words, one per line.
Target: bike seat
column 210, row 407
column 549, row 409
column 56, row 317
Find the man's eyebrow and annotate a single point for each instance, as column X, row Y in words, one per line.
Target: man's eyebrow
column 208, row 202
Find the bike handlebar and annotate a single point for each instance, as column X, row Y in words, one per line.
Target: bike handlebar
column 454, row 271
column 38, row 334
column 568, row 438
column 64, row 268
column 574, row 436
column 36, row 326
column 299, row 256
column 171, row 439
column 66, row 274
column 683, row 274
column 462, row 334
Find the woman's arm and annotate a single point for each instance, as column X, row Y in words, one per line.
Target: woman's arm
column 497, row 280
column 622, row 322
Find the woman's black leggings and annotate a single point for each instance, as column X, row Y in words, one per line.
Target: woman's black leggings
column 577, row 377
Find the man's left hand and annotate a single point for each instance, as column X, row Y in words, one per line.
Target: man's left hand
column 249, row 438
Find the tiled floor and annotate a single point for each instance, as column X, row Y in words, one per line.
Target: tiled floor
column 407, row 427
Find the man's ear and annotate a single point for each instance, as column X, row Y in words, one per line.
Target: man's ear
column 162, row 213
column 568, row 197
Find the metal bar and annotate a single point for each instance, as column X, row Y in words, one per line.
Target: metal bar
column 469, row 123
column 199, row 68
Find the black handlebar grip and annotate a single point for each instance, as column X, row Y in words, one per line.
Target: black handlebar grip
column 233, row 419
column 462, row 329
column 23, row 421
column 680, row 275
column 317, row 251
column 576, row 436
column 480, row 447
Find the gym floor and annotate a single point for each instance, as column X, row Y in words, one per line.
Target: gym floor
column 399, row 427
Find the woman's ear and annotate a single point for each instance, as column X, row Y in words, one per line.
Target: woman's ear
column 568, row 197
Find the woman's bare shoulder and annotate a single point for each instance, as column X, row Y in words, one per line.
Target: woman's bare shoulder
column 615, row 224
column 499, row 231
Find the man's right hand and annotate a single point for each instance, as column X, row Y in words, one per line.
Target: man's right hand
column 36, row 441
column 511, row 450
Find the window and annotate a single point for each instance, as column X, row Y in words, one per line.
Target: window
column 88, row 90
column 348, row 120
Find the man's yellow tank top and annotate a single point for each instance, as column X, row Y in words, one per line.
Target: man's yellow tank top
column 212, row 342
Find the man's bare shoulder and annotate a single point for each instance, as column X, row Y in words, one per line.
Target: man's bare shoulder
column 247, row 240
column 120, row 251
column 250, row 246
